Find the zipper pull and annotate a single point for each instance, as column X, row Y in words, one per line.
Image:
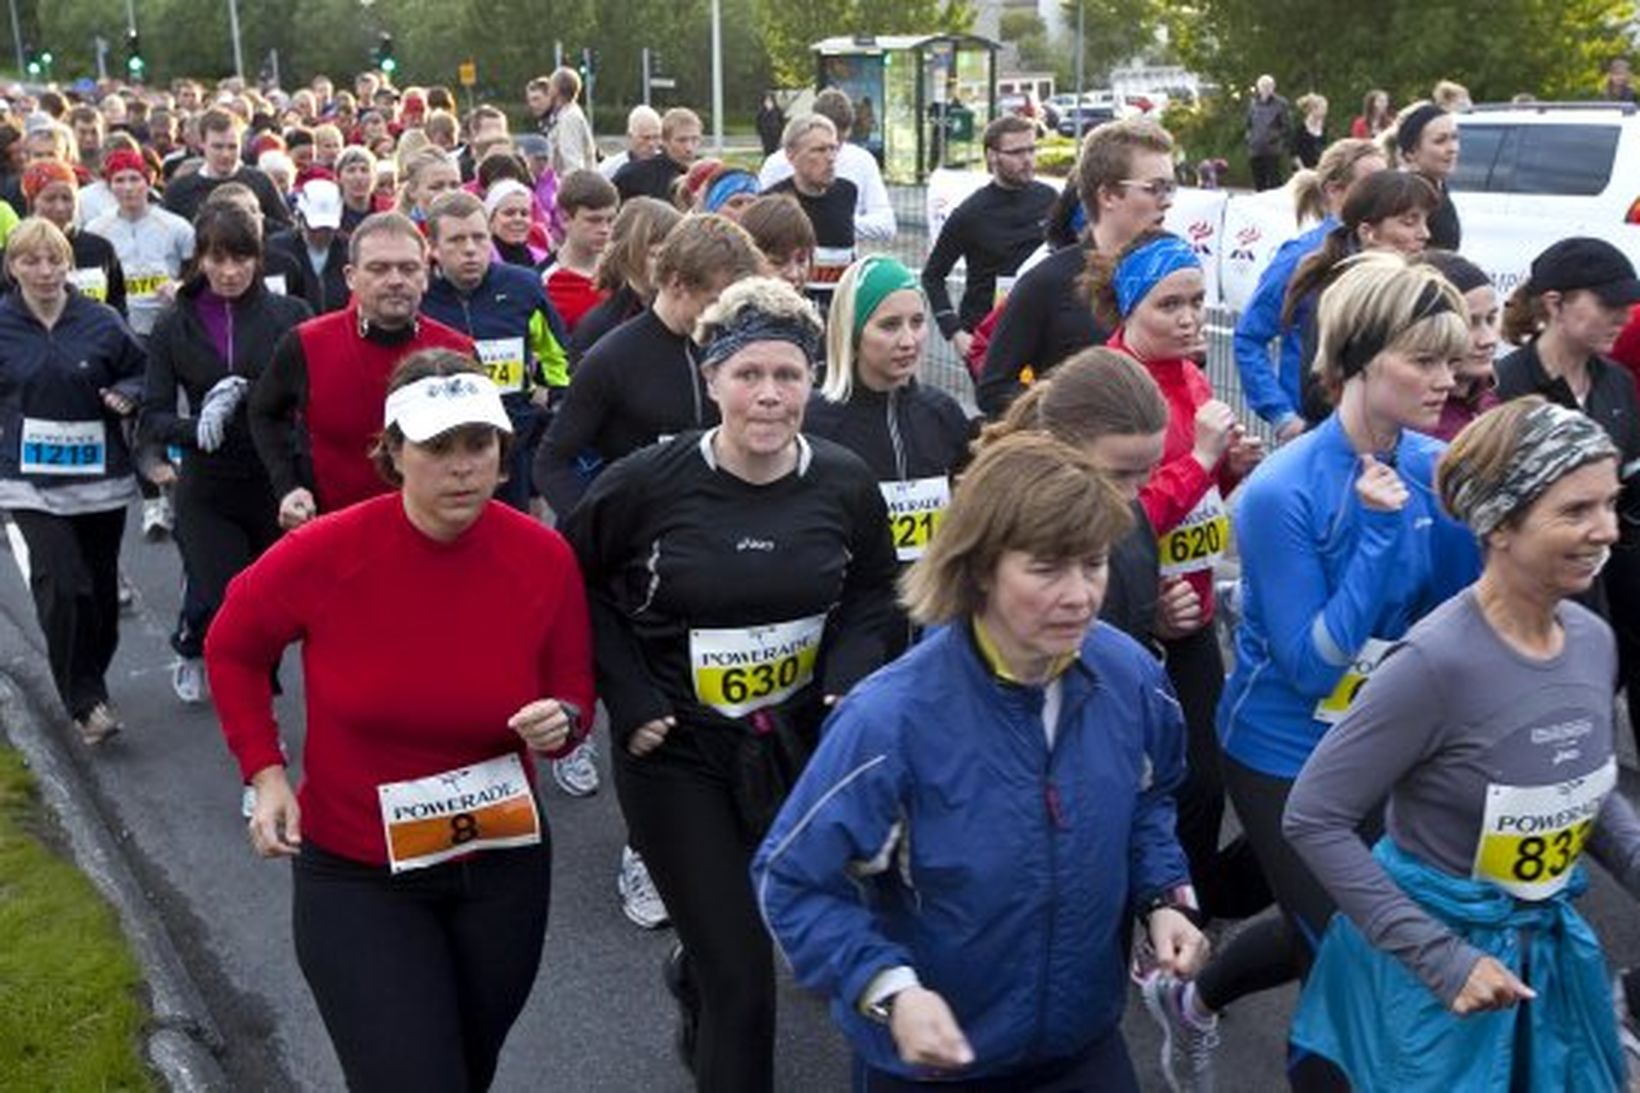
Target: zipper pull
column 1056, row 812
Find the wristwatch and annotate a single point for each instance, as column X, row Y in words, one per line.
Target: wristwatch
column 882, row 1010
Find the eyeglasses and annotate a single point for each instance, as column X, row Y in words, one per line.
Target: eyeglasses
column 1156, row 187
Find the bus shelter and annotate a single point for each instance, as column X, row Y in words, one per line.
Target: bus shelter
column 920, row 101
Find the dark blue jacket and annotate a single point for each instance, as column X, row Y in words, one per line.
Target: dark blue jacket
column 58, row 374
column 508, row 303
column 935, row 828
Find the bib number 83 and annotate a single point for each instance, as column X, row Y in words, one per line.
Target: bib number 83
column 1538, row 858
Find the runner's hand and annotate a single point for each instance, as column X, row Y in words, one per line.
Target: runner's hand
column 1214, row 422
column 1180, row 948
column 650, row 735
column 1290, row 431
column 276, row 821
column 962, row 342
column 1490, row 986
column 1379, row 487
column 925, row 1033
column 1246, row 451
column 1178, row 609
column 296, row 508
column 545, row 725
column 118, row 403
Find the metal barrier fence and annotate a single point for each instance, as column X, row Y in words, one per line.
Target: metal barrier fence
column 943, row 369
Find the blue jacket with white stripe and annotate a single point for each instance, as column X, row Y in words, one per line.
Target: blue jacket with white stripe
column 936, row 828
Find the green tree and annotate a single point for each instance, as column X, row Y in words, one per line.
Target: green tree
column 1550, row 48
column 1116, row 31
column 789, row 29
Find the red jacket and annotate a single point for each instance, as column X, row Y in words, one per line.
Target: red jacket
column 346, row 390
column 1179, row 483
column 414, row 652
column 1627, row 349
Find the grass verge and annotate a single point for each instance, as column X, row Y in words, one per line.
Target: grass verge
column 70, row 1007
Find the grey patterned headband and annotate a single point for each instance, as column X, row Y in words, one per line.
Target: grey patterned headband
column 1554, row 441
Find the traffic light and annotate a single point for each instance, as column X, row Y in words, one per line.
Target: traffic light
column 134, row 63
column 33, row 64
column 384, row 54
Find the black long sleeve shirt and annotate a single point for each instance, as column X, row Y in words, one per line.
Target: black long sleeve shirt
column 993, row 231
column 1047, row 318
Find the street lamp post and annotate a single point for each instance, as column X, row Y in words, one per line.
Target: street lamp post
column 717, row 76
column 238, row 48
column 17, row 39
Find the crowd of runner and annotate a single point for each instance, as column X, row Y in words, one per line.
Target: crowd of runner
column 936, row 702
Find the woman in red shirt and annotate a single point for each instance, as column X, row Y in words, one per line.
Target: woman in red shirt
column 1153, row 294
column 445, row 641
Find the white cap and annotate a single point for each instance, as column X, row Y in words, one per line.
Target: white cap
column 437, row 404
column 320, row 203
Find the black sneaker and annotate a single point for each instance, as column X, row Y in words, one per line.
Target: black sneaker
column 675, row 973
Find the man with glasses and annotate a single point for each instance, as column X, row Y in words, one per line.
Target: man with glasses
column 1125, row 185
column 993, row 231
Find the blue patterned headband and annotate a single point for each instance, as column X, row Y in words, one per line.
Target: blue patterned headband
column 1140, row 270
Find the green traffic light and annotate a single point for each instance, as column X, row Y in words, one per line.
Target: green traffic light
column 45, row 58
column 389, row 65
column 34, row 68
column 134, row 64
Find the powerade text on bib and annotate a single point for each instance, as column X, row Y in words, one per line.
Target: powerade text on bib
column 1533, row 835
column 915, row 509
column 63, row 447
column 737, row 671
column 828, row 266
column 503, row 359
column 1331, row 710
column 1198, row 542
column 481, row 807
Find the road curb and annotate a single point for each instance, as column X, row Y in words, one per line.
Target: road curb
column 183, row 1038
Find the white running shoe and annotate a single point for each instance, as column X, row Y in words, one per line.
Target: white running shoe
column 639, row 899
column 127, row 594
column 577, row 773
column 157, row 518
column 188, row 680
column 99, row 724
column 1188, row 1044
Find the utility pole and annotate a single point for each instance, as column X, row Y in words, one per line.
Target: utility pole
column 17, row 40
column 1081, row 60
column 238, row 48
column 717, row 75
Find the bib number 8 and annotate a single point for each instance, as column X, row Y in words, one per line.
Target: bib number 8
column 741, row 684
column 463, row 828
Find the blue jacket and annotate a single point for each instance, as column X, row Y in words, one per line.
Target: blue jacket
column 1320, row 575
column 936, row 829
column 508, row 303
column 1276, row 396
column 57, row 375
column 1367, row 1012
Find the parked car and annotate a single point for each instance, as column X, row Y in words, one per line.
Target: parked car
column 1076, row 120
column 1572, row 161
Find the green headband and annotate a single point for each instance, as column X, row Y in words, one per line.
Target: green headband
column 880, row 277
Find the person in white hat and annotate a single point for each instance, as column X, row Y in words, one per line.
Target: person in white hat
column 316, row 246
column 423, row 864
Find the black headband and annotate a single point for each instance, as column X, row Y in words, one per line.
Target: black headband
column 1413, row 125
column 1361, row 347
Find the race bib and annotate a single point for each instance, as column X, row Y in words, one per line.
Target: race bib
column 145, row 286
column 482, row 807
column 1532, row 835
column 1004, row 286
column 1331, row 710
column 828, row 266
column 275, row 283
column 737, row 671
column 1198, row 542
column 63, row 447
column 91, row 282
column 503, row 359
column 915, row 510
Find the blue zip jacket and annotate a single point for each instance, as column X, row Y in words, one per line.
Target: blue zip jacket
column 57, row 374
column 1276, row 396
column 1320, row 575
column 1387, row 1031
column 508, row 303
column 936, row 829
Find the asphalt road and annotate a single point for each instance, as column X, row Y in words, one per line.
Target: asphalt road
column 599, row 1018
